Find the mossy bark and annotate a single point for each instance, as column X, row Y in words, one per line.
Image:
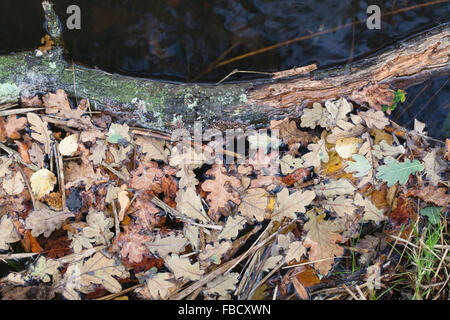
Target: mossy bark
column 159, row 104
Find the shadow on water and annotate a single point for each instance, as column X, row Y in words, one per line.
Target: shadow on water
column 178, row 39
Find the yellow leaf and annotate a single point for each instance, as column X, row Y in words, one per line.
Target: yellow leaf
column 69, row 145
column 346, row 147
column 42, row 182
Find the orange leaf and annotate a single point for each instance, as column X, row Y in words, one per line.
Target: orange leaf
column 23, row 150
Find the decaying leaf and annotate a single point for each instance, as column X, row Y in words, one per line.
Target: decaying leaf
column 190, row 204
column 214, row 252
column 41, row 132
column 322, row 242
column 288, row 205
column 433, row 168
column 221, row 190
column 371, row 212
column 43, row 220
column 14, row 185
column 98, row 269
column 295, row 252
column 289, row 164
column 232, row 227
column 317, row 155
column 135, row 246
column 8, row 232
column 69, row 145
column 159, row 285
column 153, row 148
column 223, row 284
column 164, row 246
column 182, row 267
column 335, row 188
column 254, row 203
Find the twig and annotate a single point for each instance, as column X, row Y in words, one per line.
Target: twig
column 17, row 157
column 17, row 111
column 175, row 213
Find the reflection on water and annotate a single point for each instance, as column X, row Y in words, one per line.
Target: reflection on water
column 178, row 39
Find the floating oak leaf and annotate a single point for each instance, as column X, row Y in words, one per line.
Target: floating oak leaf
column 254, row 203
column 317, row 155
column 295, row 252
column 221, row 190
column 223, row 284
column 144, row 176
column 190, row 204
column 98, row 269
column 118, row 132
column 164, row 246
column 335, row 188
column 214, row 252
column 263, row 141
column 317, row 115
column 289, row 133
column 372, row 118
column 383, row 149
column 288, row 205
column 13, row 125
column 98, row 152
column 159, row 285
column 433, row 168
column 289, row 164
column 40, row 130
column 182, row 267
column 341, row 205
column 371, row 212
column 395, row 171
column 135, row 247
column 153, row 148
column 232, row 227
column 322, row 242
column 76, row 174
column 44, row 220
column 344, row 129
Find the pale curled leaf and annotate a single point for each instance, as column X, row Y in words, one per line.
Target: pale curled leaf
column 42, row 182
column 232, row 227
column 182, row 267
column 164, row 246
column 8, row 232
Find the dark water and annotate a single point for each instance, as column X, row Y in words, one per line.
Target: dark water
column 178, row 39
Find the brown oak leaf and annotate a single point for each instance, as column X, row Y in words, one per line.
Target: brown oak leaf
column 145, row 175
column 221, row 190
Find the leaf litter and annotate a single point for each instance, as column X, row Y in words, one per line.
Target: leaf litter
column 161, row 214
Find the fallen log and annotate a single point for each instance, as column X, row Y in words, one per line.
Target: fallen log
column 161, row 104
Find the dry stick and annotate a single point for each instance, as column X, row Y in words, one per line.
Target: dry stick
column 24, row 177
column 350, row 291
column 177, row 214
column 116, row 218
column 440, row 264
column 10, row 256
column 213, row 65
column 18, row 111
column 305, row 37
column 222, row 269
column 60, row 169
column 117, row 173
column 112, row 296
column 17, row 157
column 243, row 71
column 259, row 283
